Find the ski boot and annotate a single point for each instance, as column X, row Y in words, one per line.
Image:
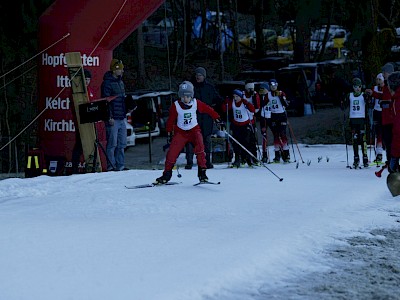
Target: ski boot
column 188, row 166
column 265, row 157
column 237, row 162
column 378, row 159
column 286, row 156
column 356, row 162
column 277, row 157
column 202, row 175
column 365, row 161
column 249, row 162
column 164, row 178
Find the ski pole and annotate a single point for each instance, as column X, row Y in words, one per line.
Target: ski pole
column 266, row 147
column 244, row 148
column 291, row 141
column 298, row 149
column 265, row 140
column 228, row 129
column 345, row 140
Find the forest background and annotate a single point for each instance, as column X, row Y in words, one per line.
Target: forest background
column 372, row 25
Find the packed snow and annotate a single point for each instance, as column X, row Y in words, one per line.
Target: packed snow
column 88, row 237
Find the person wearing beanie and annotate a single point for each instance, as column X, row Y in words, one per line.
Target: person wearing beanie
column 265, row 119
column 239, row 109
column 183, row 128
column 278, row 102
column 388, row 68
column 385, row 101
column 200, row 71
column 116, row 64
column 116, row 133
column 254, row 98
column 394, row 87
column 358, row 106
column 206, row 92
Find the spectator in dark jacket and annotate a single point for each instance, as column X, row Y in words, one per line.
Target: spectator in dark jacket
column 115, row 127
column 206, row 92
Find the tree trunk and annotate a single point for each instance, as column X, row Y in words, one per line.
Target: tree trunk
column 259, row 26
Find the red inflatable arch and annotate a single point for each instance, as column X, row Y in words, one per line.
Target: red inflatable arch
column 94, row 28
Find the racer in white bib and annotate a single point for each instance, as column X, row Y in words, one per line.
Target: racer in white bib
column 265, row 119
column 357, row 103
column 278, row 102
column 241, row 127
column 182, row 128
column 377, row 119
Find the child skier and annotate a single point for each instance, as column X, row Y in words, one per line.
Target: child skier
column 357, row 102
column 182, row 128
column 377, row 118
column 278, row 102
column 265, row 119
column 241, row 126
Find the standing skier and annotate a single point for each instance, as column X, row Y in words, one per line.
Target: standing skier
column 254, row 98
column 377, row 118
column 386, row 104
column 241, row 126
column 277, row 100
column 182, row 128
column 265, row 119
column 357, row 103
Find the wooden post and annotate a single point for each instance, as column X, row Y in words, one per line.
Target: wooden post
column 80, row 96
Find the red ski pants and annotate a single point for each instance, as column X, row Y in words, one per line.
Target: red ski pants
column 180, row 139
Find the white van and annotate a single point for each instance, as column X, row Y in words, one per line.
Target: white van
column 145, row 118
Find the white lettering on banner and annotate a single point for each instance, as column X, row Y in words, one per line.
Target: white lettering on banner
column 57, row 103
column 48, row 60
column 63, row 81
column 60, row 60
column 63, row 125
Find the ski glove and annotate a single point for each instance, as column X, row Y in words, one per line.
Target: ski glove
column 220, row 124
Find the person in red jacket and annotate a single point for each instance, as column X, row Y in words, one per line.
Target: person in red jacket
column 394, row 87
column 377, row 118
column 387, row 113
column 182, row 128
column 241, row 126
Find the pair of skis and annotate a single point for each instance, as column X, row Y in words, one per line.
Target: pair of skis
column 154, row 184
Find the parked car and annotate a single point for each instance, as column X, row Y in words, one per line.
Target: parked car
column 255, row 75
column 130, row 135
column 328, row 81
column 337, row 36
column 225, row 88
column 293, row 82
column 164, row 101
column 145, row 117
column 271, row 63
column 248, row 41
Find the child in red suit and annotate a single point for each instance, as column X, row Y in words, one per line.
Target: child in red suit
column 182, row 128
column 241, row 126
